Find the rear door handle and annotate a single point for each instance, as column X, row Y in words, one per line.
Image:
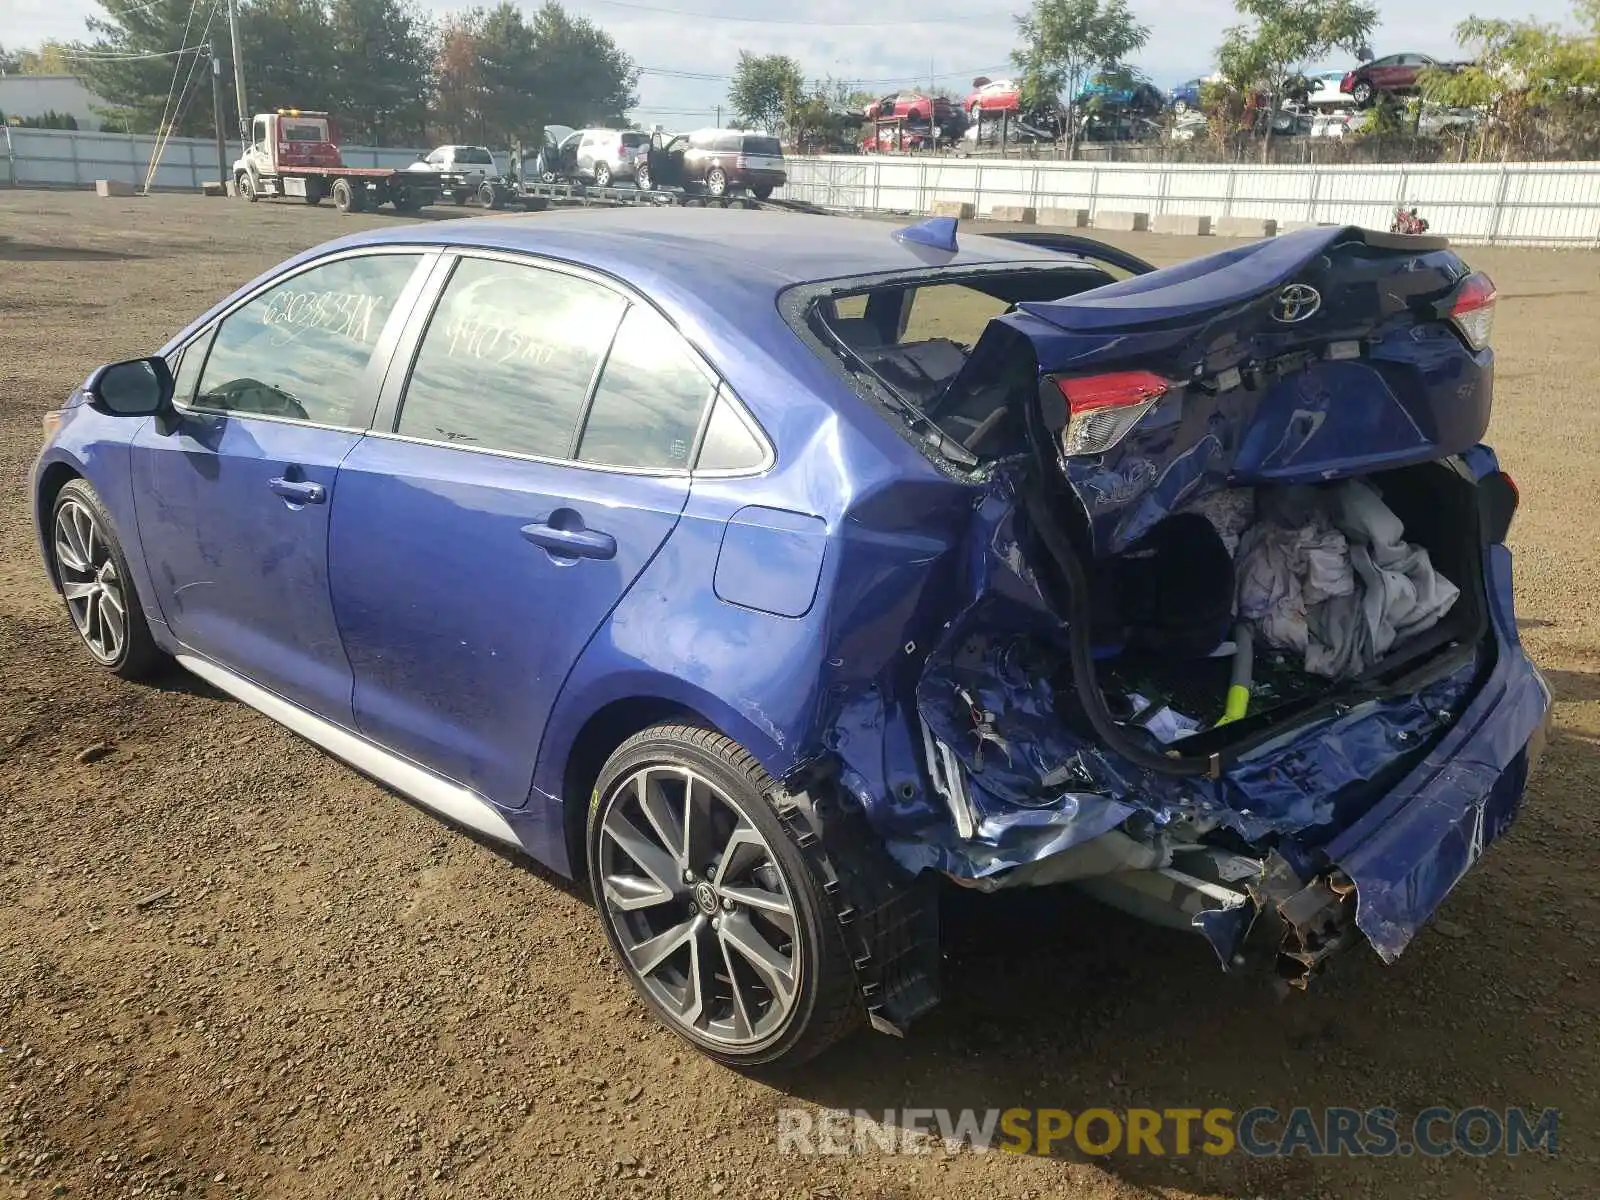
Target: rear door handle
column 298, row 491
column 576, row 542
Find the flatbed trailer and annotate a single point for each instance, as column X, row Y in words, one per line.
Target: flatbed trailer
column 352, row 189
column 537, row 196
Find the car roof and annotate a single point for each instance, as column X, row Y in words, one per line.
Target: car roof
column 706, row 247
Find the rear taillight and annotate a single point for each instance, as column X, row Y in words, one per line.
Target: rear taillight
column 1472, row 310
column 1101, row 409
column 742, row 163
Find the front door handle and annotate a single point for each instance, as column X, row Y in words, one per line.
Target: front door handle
column 565, row 536
column 299, row 491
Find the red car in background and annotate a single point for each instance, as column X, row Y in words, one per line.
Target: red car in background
column 913, row 107
column 992, row 96
column 1395, row 73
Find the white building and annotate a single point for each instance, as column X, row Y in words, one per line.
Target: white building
column 35, row 95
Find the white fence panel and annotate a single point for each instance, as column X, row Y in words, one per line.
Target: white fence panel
column 1556, row 204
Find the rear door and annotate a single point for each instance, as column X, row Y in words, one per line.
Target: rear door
column 530, row 465
column 233, row 504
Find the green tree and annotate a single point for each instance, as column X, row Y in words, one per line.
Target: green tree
column 1284, row 38
column 382, row 56
column 1063, row 41
column 49, row 59
column 137, row 91
column 766, row 89
column 289, row 56
column 583, row 77
column 1524, row 74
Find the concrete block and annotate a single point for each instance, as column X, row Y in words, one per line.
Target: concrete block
column 112, row 187
column 960, row 210
column 1014, row 212
column 1126, row 222
column 1181, row 224
column 1244, row 227
column 213, row 187
column 1065, row 218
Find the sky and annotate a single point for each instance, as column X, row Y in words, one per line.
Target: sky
column 877, row 45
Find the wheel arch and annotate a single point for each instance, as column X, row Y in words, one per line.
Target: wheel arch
column 53, row 476
column 577, row 746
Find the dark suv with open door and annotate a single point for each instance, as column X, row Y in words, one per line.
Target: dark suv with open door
column 717, row 161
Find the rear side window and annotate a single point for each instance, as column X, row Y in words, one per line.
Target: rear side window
column 652, row 396
column 763, row 145
column 508, row 359
column 298, row 351
column 474, row 154
column 729, row 444
column 727, row 142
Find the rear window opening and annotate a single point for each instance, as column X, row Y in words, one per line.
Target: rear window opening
column 635, row 141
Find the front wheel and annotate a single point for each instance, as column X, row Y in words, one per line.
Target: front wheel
column 243, row 187
column 716, row 182
column 1362, row 94
column 709, row 904
column 641, row 178
column 602, row 175
column 97, row 586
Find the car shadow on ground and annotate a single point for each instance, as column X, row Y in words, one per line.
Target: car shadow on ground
column 12, row 250
column 1052, row 1001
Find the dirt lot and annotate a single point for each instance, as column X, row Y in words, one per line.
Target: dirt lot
column 333, row 995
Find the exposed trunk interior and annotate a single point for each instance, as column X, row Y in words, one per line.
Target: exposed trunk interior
column 1438, row 506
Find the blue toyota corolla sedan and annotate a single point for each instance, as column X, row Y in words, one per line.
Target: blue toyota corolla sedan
column 773, row 571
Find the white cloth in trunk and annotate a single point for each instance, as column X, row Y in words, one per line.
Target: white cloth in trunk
column 1328, row 574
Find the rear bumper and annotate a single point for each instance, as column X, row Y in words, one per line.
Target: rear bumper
column 759, row 179
column 1415, row 845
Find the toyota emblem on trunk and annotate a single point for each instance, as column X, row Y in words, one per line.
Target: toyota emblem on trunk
column 1297, row 302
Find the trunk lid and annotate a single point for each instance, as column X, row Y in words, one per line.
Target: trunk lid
column 1316, row 356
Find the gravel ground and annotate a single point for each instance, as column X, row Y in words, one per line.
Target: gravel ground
column 231, row 967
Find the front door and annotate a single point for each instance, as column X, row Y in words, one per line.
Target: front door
column 233, row 504
column 478, row 548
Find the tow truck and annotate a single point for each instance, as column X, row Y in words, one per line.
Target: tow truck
column 295, row 152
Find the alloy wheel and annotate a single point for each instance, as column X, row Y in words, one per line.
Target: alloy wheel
column 699, row 906
column 96, row 599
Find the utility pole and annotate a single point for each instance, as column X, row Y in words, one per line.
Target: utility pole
column 719, row 116
column 238, row 71
column 216, row 117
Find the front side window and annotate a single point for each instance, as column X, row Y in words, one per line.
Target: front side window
column 652, row 396
column 299, row 351
column 476, row 155
column 508, row 359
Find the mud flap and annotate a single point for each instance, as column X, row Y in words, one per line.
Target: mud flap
column 888, row 917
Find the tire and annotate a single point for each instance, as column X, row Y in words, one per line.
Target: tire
column 769, row 908
column 87, row 558
column 716, row 182
column 641, row 178
column 602, row 175
column 1362, row 94
column 459, row 197
column 244, row 187
column 346, row 198
column 490, row 196
column 404, row 199
column 761, row 193
column 313, row 194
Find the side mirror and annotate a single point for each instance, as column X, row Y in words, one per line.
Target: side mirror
column 141, row 387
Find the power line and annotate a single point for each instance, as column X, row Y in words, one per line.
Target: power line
column 702, row 16
column 128, row 57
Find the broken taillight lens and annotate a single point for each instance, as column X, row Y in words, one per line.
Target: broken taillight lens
column 1101, row 409
column 1472, row 310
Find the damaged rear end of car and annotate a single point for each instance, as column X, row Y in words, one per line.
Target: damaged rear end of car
column 1224, row 633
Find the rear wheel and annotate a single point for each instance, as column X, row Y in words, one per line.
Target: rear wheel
column 489, row 195
column 459, row 196
column 313, row 191
column 97, row 586
column 716, row 181
column 710, row 906
column 348, row 197
column 761, row 193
